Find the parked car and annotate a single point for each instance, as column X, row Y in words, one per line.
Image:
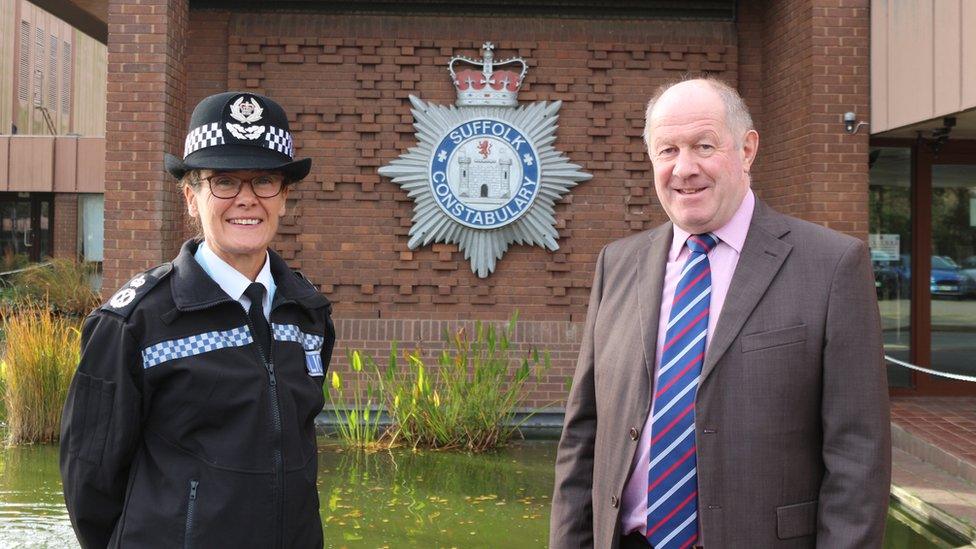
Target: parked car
column 969, row 266
column 949, row 280
column 946, row 279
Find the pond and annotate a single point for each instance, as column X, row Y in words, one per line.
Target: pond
column 403, row 499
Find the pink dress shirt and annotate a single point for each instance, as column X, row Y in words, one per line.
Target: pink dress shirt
column 722, row 259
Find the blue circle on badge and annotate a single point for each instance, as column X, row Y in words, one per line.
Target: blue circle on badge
column 484, row 173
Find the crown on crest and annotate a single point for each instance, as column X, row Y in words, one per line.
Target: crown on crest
column 481, row 82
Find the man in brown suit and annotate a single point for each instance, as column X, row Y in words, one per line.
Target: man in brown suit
column 787, row 423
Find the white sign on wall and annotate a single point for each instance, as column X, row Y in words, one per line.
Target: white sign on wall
column 884, row 247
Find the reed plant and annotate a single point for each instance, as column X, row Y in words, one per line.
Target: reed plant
column 3, row 392
column 357, row 423
column 41, row 351
column 64, row 283
column 469, row 401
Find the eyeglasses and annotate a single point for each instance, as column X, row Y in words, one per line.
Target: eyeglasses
column 228, row 186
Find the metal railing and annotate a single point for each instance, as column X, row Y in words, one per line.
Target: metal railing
column 958, row 377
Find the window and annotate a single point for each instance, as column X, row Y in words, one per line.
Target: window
column 66, row 79
column 23, row 81
column 52, row 76
column 39, row 69
column 91, row 225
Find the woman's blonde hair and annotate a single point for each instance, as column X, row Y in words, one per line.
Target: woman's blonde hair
column 191, row 180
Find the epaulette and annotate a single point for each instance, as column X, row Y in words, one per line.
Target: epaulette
column 304, row 278
column 124, row 301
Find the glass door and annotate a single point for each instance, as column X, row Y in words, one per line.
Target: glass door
column 952, row 282
column 25, row 229
column 922, row 234
column 890, row 240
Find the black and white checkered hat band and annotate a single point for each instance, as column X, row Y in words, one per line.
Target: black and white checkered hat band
column 203, row 137
column 279, row 140
column 210, row 135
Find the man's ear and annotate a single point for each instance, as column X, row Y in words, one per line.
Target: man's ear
column 750, row 145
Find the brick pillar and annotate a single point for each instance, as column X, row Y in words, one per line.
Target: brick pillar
column 840, row 79
column 145, row 118
column 815, row 67
column 66, row 225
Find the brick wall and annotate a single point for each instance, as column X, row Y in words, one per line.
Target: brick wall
column 146, row 96
column 66, row 225
column 815, row 67
column 841, row 69
column 344, row 82
column 345, row 79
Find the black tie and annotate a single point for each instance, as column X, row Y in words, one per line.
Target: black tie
column 262, row 333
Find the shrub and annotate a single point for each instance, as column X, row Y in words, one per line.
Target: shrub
column 64, row 283
column 10, row 261
column 41, row 352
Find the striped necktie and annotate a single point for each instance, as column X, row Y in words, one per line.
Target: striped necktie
column 672, row 484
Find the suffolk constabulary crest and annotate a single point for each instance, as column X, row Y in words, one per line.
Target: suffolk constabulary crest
column 484, row 173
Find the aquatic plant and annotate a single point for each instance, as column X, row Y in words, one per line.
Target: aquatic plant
column 469, row 400
column 357, row 424
column 41, row 351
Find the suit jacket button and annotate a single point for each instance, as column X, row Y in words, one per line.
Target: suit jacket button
column 614, row 502
column 634, row 433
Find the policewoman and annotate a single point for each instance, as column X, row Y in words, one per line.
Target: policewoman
column 190, row 420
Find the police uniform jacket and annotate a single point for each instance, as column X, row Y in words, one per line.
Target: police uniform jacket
column 178, row 431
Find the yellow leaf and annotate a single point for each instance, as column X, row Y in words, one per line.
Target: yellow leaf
column 336, row 384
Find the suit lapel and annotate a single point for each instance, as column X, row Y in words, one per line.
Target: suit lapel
column 763, row 254
column 650, row 281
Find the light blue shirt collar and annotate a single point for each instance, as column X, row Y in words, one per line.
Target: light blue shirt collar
column 232, row 282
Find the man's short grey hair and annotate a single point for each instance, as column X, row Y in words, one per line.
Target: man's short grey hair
column 737, row 116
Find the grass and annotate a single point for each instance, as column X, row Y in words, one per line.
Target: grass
column 467, row 402
column 64, row 283
column 10, row 261
column 42, row 351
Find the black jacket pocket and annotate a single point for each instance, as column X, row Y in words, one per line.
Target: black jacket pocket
column 797, row 520
column 91, row 415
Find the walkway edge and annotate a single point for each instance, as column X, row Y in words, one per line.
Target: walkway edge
column 929, row 452
column 926, row 512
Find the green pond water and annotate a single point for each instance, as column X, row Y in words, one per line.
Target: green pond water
column 403, row 499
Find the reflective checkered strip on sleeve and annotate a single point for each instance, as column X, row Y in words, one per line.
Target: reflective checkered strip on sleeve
column 279, row 140
column 311, row 343
column 173, row 349
column 204, row 136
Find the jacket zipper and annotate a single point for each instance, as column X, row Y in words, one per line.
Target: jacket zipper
column 278, row 496
column 190, row 508
column 279, row 467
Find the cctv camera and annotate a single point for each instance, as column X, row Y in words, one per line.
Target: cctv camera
column 850, row 122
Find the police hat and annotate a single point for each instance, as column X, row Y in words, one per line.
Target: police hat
column 239, row 131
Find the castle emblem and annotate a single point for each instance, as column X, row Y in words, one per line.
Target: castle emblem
column 484, row 173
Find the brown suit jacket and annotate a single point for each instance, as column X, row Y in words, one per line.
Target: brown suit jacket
column 792, row 420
